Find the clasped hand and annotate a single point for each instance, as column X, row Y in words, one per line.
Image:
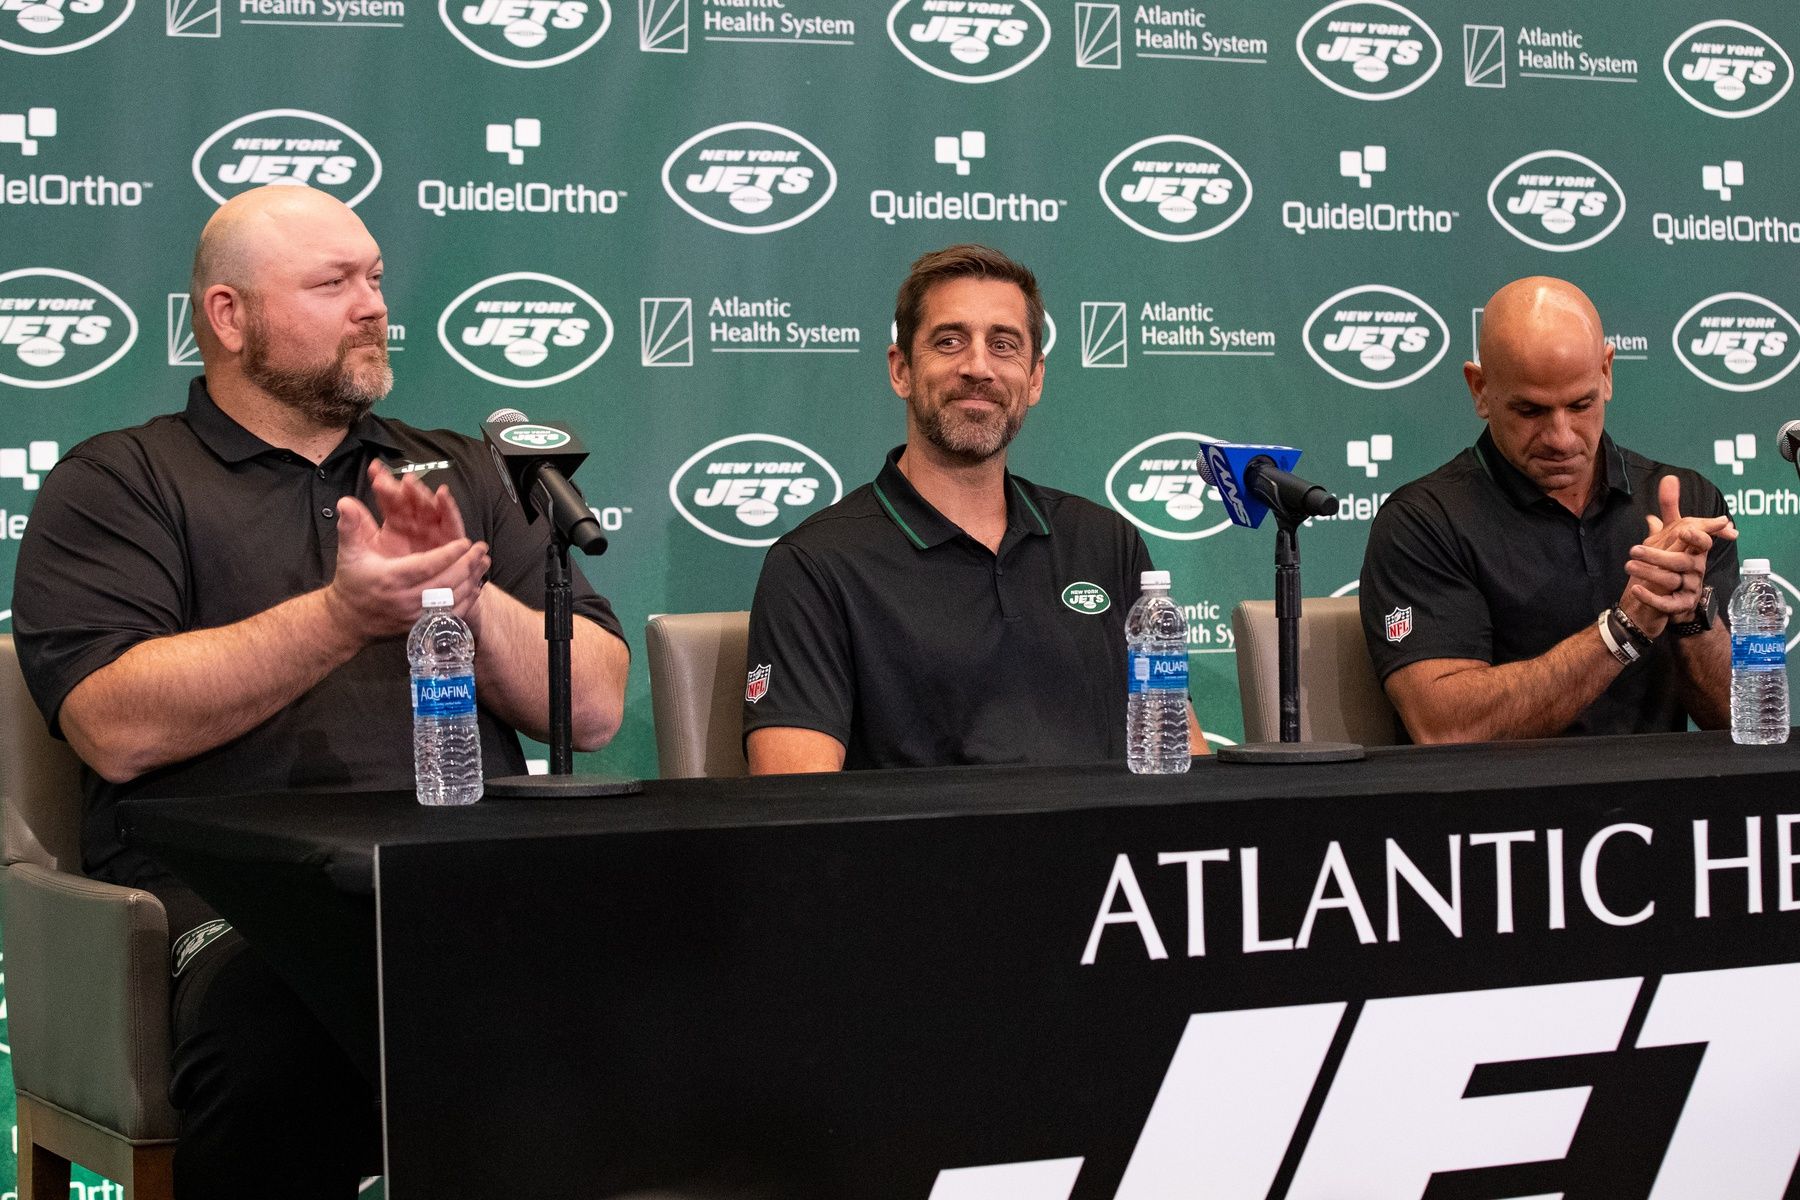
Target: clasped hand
column 418, row 543
column 1668, row 568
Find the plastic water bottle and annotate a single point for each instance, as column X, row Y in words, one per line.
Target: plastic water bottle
column 1156, row 725
column 1759, row 684
column 446, row 732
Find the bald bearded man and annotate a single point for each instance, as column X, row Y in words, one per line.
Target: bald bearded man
column 1546, row 581
column 216, row 602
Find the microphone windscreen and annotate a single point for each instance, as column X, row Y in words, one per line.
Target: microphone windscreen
column 507, row 416
column 1785, row 438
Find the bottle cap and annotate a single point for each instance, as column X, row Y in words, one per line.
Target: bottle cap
column 437, row 598
column 1152, row 579
column 1756, row 566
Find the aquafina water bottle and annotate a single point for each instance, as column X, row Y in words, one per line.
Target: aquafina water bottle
column 1156, row 700
column 446, row 733
column 1759, row 685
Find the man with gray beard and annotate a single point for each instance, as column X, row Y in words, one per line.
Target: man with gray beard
column 216, row 602
column 950, row 611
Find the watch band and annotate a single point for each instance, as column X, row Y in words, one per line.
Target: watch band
column 1701, row 621
column 1620, row 648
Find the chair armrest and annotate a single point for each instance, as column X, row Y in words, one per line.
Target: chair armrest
column 87, row 992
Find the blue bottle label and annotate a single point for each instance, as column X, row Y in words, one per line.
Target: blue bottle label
column 1156, row 672
column 450, row 697
column 1758, row 652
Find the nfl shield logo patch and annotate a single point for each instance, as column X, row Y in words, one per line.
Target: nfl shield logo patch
column 758, row 685
column 1399, row 624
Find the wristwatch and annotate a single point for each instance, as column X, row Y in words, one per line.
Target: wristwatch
column 1700, row 622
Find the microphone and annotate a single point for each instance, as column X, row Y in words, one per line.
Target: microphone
column 1254, row 480
column 535, row 461
column 1787, row 439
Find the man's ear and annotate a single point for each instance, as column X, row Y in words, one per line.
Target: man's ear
column 1477, row 384
column 226, row 313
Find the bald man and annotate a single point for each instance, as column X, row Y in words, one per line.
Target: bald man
column 1546, row 581
column 216, row 602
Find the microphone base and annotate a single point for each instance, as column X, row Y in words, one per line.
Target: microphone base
column 1291, row 752
column 558, row 787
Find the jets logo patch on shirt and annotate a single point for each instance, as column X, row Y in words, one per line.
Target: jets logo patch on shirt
column 1399, row 624
column 193, row 942
column 757, row 685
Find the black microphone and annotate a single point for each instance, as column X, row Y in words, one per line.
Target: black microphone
column 535, row 461
column 1240, row 470
column 1787, row 440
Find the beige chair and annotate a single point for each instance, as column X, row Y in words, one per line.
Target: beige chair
column 87, row 979
column 1340, row 698
column 697, row 675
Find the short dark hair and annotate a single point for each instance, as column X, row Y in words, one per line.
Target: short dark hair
column 967, row 260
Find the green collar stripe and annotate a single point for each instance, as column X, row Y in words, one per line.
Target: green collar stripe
column 1042, row 524
column 898, row 520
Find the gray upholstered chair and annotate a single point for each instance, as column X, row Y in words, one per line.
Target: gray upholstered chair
column 87, row 979
column 1340, row 698
column 697, row 675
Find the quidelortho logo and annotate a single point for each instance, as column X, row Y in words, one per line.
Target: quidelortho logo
column 1738, row 341
column 58, row 328
column 961, row 152
column 1157, row 486
column 1369, row 49
column 1376, row 337
column 34, row 131
column 749, row 489
column 525, row 330
column 526, row 33
column 1175, row 188
column 59, row 26
column 287, row 145
column 1728, row 68
column 1556, row 200
column 749, row 177
column 970, row 41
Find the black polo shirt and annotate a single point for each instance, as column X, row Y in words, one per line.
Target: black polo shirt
column 880, row 622
column 1474, row 561
column 190, row 521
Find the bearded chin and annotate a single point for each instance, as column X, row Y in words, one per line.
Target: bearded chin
column 967, row 440
column 333, row 395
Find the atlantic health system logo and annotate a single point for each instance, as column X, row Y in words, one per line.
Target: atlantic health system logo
column 1728, row 69
column 525, row 330
column 287, row 145
column 1556, row 200
column 969, row 41
column 1175, row 188
column 749, row 177
column 527, row 33
column 59, row 328
column 1376, row 337
column 1369, row 49
column 749, row 489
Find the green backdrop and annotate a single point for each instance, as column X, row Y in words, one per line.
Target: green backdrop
column 678, row 225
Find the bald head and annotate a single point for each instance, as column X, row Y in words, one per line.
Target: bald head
column 248, row 237
column 1535, row 316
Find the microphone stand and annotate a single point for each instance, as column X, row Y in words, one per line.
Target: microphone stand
column 559, row 633
column 1290, row 749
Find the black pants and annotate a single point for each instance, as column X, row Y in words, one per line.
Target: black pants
column 270, row 1104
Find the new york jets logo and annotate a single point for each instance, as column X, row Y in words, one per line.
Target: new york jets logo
column 1376, row 337
column 59, row 26
column 969, row 41
column 1089, row 599
column 1175, row 188
column 534, row 437
column 1369, row 49
column 749, row 177
column 749, row 489
column 1556, row 200
column 59, row 328
column 525, row 330
column 287, row 145
column 526, row 33
column 1728, row 69
column 1738, row 341
column 1157, row 486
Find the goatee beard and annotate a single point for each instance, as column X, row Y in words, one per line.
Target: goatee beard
column 331, row 396
column 965, row 440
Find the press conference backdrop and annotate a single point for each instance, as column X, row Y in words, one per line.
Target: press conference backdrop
column 678, row 225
